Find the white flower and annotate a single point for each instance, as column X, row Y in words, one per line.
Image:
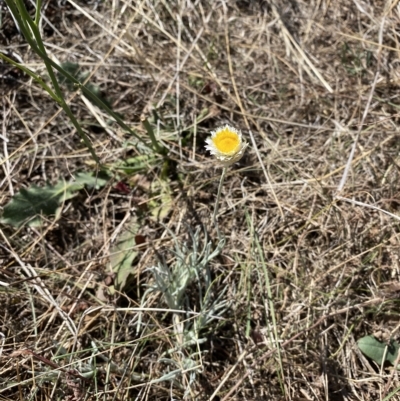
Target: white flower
column 226, row 144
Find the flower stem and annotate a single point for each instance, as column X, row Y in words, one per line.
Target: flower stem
column 221, row 181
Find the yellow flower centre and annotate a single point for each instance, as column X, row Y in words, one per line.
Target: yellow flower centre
column 227, row 141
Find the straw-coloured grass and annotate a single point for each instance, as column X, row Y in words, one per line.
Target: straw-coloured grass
column 268, row 304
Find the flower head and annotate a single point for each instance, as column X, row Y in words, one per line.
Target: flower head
column 226, row 144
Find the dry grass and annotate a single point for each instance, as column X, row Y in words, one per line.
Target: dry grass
column 305, row 273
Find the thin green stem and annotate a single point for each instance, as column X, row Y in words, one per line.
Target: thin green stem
column 32, row 36
column 221, row 182
column 38, row 10
column 31, row 33
column 34, row 76
column 153, row 139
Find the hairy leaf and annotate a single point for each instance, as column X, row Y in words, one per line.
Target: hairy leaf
column 90, row 180
column 162, row 202
column 379, row 351
column 122, row 255
column 28, row 205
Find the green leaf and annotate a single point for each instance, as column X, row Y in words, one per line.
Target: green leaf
column 122, row 255
column 136, row 164
column 162, row 203
column 73, row 69
column 28, row 205
column 91, row 180
column 378, row 351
